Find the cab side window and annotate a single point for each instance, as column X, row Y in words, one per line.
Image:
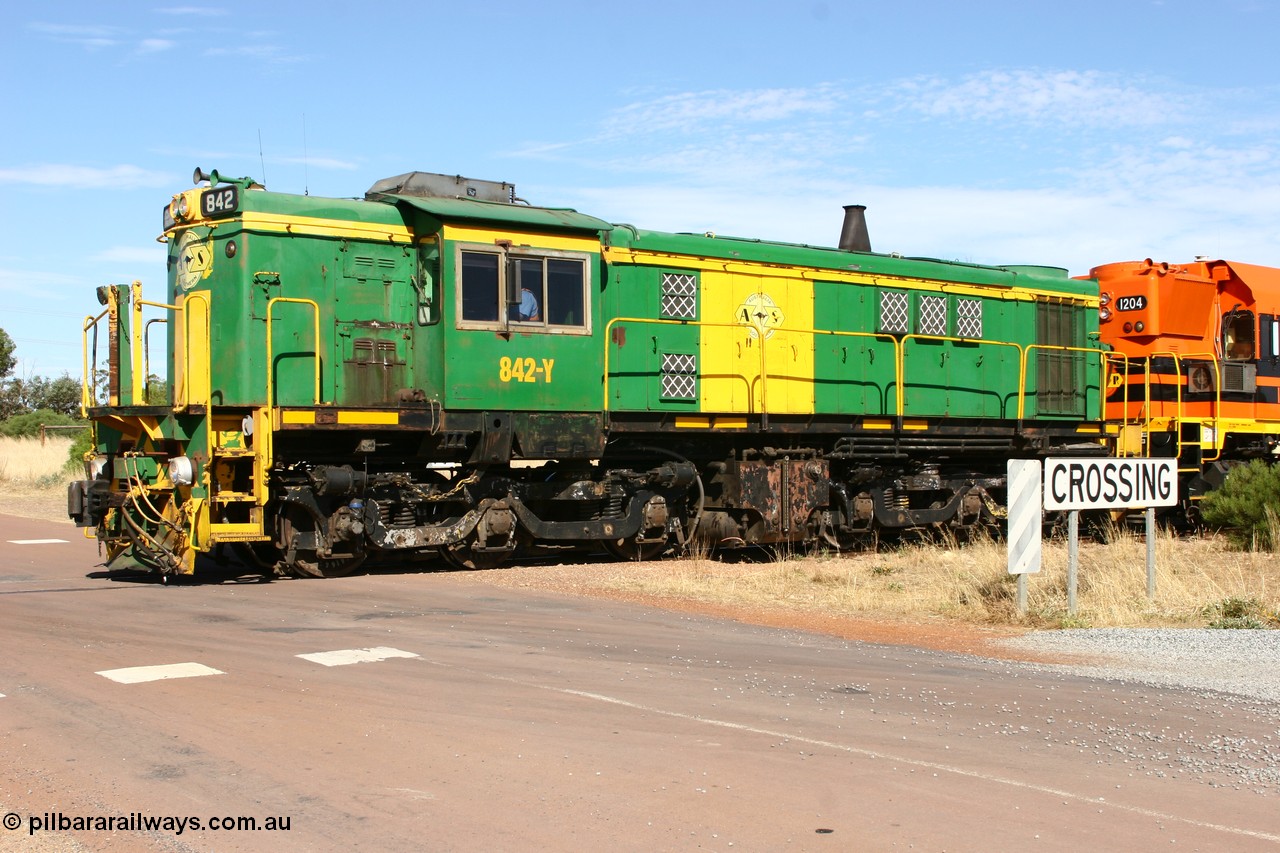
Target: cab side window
column 1237, row 335
column 479, row 287
column 529, row 290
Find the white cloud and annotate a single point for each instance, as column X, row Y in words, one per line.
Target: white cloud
column 85, row 177
column 87, row 35
column 197, row 11
column 155, row 45
column 696, row 110
column 1033, row 96
column 266, row 52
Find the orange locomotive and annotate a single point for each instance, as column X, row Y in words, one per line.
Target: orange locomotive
column 1195, row 372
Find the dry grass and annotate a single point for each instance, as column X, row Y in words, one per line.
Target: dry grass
column 1198, row 580
column 25, row 462
column 33, row 477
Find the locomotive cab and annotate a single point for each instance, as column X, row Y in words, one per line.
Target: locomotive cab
column 1197, row 362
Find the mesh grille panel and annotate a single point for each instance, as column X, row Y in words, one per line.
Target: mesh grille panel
column 893, row 312
column 679, row 375
column 679, row 296
column 968, row 318
column 933, row 315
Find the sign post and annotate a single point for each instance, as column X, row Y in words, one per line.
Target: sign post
column 1025, row 517
column 1128, row 483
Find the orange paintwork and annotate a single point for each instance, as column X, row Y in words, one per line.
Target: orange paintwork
column 1206, row 311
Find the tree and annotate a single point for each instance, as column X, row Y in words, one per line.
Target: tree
column 61, row 395
column 7, row 360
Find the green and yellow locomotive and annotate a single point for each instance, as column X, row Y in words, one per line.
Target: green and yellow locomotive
column 439, row 369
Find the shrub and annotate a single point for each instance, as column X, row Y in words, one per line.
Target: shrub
column 1247, row 506
column 1236, row 613
column 83, row 444
column 28, row 424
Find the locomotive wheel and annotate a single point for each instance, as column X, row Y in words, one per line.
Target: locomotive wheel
column 634, row 552
column 463, row 557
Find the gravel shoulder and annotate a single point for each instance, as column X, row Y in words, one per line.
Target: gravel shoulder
column 1241, row 662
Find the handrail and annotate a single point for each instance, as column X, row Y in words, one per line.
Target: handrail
column 1022, row 372
column 316, row 399
column 608, row 339
column 86, row 396
column 899, row 345
column 146, row 353
column 1179, row 413
column 1022, row 385
column 195, row 296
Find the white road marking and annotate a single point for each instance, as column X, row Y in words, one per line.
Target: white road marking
column 870, row 753
column 342, row 657
column 139, row 674
column 37, row 541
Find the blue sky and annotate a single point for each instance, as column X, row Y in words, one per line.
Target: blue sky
column 1066, row 134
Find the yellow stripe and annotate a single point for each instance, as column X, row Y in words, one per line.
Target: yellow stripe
column 391, row 418
column 876, row 423
column 685, row 422
column 731, row 423
column 290, row 224
column 1084, row 428
column 1016, row 293
column 915, row 424
column 297, row 417
column 487, row 236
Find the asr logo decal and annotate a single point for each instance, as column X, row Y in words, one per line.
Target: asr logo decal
column 525, row 369
column 194, row 261
column 760, row 314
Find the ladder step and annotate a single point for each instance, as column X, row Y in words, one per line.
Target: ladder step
column 233, row 497
column 226, row 532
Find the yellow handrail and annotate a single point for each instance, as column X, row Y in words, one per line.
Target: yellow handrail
column 1022, row 385
column 86, row 396
column 316, row 399
column 899, row 345
column 203, row 297
column 1179, row 413
column 1022, row 372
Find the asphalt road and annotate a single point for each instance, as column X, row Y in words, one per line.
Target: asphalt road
column 491, row 719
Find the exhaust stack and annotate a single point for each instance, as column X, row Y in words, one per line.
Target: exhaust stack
column 854, row 236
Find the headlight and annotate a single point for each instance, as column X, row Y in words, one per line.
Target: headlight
column 181, row 472
column 96, row 466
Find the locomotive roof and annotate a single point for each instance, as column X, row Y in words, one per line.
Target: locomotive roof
column 393, row 207
column 465, row 209
column 821, row 257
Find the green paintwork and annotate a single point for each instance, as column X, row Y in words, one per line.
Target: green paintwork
column 388, row 319
column 506, row 215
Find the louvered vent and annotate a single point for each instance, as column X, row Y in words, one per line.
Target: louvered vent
column 1239, row 378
